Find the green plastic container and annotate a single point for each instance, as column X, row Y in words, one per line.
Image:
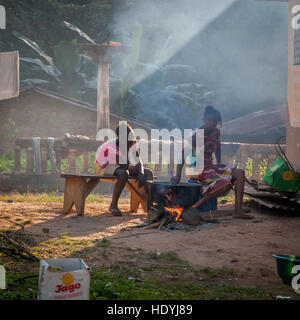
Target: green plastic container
column 281, row 177
column 285, row 265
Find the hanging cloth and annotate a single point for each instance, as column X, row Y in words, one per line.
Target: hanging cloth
column 9, row 75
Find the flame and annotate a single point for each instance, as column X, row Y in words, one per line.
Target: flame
column 177, row 211
column 111, row 43
column 168, row 197
column 168, row 193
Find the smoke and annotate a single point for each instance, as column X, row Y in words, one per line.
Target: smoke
column 167, row 25
column 236, row 51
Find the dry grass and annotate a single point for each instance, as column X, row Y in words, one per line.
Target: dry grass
column 44, row 197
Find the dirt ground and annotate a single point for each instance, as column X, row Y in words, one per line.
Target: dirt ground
column 245, row 245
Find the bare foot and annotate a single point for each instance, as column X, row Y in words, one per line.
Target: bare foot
column 115, row 211
column 241, row 215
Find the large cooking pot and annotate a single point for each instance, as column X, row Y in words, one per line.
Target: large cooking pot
column 183, row 194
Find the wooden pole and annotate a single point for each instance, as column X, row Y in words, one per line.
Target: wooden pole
column 103, row 120
column 29, row 168
column 101, row 55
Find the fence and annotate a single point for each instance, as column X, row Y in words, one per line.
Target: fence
column 80, row 156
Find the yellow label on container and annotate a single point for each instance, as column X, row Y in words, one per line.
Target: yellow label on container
column 288, row 175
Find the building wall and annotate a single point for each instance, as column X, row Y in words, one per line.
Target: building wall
column 37, row 115
column 293, row 97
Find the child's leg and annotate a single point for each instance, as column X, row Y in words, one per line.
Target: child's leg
column 239, row 179
column 148, row 173
column 208, row 196
column 118, row 188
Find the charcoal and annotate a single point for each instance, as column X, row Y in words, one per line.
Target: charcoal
column 184, row 227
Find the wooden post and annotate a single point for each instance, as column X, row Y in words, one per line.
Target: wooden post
column 17, row 159
column 101, row 55
column 103, row 120
column 243, row 156
column 256, row 166
column 29, row 168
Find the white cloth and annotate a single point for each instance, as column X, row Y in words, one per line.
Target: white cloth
column 9, row 75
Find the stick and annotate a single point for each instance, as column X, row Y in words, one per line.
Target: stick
column 153, row 225
column 19, row 248
column 168, row 267
column 164, row 220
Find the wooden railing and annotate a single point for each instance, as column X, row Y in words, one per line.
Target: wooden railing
column 79, row 157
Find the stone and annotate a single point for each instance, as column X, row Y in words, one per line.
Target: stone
column 191, row 216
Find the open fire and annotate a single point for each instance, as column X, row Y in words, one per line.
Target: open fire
column 175, row 211
column 171, row 199
column 172, row 206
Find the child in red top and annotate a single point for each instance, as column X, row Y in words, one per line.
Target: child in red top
column 216, row 179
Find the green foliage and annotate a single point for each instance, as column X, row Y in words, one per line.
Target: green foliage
column 42, row 21
column 92, row 158
column 23, row 157
column 150, row 165
column 263, row 166
column 63, row 235
column 65, row 70
column 52, row 40
column 107, row 284
column 79, row 162
column 64, row 165
column 160, row 275
column 26, row 289
column 10, row 130
column 249, row 167
column 66, row 58
column 7, row 162
column 54, row 196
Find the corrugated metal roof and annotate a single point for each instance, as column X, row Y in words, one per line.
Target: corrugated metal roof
column 81, row 104
column 256, row 123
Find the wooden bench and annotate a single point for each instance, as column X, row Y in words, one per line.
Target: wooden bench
column 78, row 186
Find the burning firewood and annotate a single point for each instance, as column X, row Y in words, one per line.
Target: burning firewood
column 172, row 206
column 155, row 213
column 161, row 216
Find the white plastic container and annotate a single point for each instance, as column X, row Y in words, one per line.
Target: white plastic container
column 64, row 279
